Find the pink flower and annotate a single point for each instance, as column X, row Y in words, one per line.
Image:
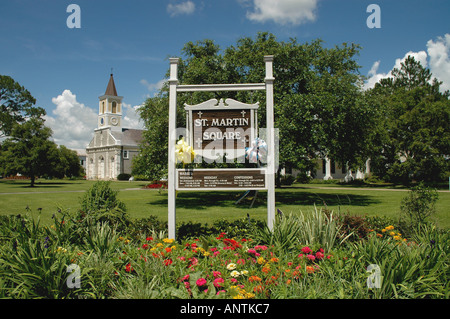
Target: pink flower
column 251, row 251
column 233, row 280
column 216, row 253
column 306, row 250
column 329, row 256
column 185, row 278
column 218, row 282
column 319, row 255
column 300, row 256
column 200, row 282
column 310, row 257
column 241, row 261
column 220, row 291
column 217, row 274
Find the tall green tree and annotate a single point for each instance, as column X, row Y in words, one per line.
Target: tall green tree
column 319, row 108
column 16, row 105
column 68, row 164
column 28, row 151
column 412, row 138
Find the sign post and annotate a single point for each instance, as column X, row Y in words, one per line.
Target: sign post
column 218, row 129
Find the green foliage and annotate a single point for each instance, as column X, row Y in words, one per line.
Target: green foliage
column 16, row 105
column 303, row 229
column 318, row 104
column 411, row 140
column 100, row 204
column 123, row 177
column 418, row 206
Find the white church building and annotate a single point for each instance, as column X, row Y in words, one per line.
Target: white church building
column 113, row 147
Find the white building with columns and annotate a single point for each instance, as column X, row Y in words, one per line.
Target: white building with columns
column 113, row 147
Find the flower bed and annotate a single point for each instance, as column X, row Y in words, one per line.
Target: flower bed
column 221, row 266
column 34, row 261
column 156, row 184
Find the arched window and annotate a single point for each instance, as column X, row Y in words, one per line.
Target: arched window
column 114, row 107
column 103, row 107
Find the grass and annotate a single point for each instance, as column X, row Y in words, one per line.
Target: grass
column 206, row 207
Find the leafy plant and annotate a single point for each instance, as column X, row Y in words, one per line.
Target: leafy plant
column 418, row 206
column 101, row 204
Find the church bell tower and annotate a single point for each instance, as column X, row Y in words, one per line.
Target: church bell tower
column 110, row 108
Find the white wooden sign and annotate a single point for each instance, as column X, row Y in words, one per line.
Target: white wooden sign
column 228, row 125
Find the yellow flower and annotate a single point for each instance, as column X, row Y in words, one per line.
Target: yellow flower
column 397, row 238
column 159, row 245
column 390, row 227
column 383, row 230
column 168, row 241
column 261, row 260
column 392, row 233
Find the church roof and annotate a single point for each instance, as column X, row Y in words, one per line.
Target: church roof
column 131, row 137
column 111, row 88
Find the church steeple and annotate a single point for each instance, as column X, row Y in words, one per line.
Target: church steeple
column 110, row 108
column 111, row 88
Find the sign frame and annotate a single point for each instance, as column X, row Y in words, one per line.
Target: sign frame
column 174, row 88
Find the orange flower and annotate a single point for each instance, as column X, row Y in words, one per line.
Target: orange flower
column 265, row 269
column 168, row 249
column 254, row 278
column 258, row 289
column 274, row 260
column 309, row 269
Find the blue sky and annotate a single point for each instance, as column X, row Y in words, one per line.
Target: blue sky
column 67, row 69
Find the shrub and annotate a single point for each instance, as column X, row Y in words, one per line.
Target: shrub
column 417, row 207
column 100, row 203
column 123, row 177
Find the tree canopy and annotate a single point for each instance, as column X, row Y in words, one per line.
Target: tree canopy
column 16, row 105
column 412, row 138
column 319, row 106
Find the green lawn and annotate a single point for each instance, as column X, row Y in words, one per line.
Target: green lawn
column 205, row 207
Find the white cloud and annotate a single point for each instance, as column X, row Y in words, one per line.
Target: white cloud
column 73, row 123
column 187, row 7
column 439, row 53
column 436, row 58
column 130, row 117
column 283, row 12
column 153, row 87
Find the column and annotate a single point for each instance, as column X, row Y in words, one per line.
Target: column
column 327, row 169
column 173, row 82
column 270, row 174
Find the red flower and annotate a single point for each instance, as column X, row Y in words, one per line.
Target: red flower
column 231, row 243
column 168, row 262
column 128, row 268
column 145, row 246
column 149, row 238
column 306, row 250
column 319, row 255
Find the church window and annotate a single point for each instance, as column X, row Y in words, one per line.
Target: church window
column 114, row 107
column 125, row 154
column 103, row 107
